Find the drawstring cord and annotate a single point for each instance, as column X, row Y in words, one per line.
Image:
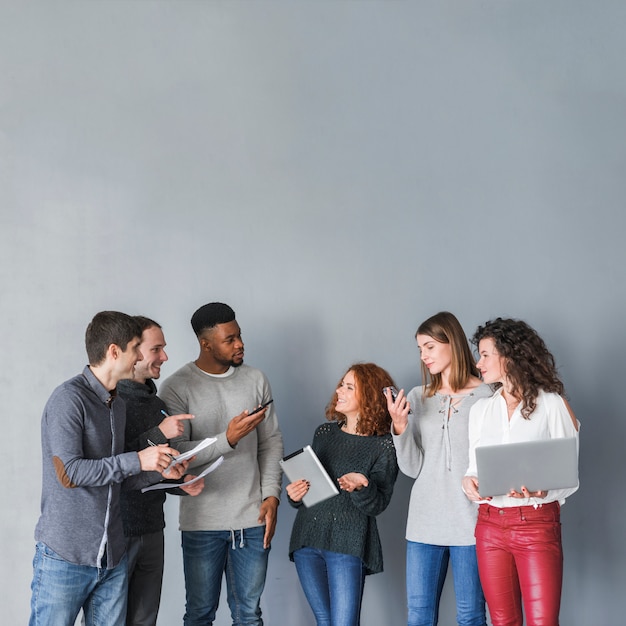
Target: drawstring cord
column 233, row 540
column 448, row 407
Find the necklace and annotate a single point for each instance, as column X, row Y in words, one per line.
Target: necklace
column 350, row 431
column 511, row 403
column 345, row 429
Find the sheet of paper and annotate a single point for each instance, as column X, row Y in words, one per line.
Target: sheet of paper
column 202, row 474
column 205, row 443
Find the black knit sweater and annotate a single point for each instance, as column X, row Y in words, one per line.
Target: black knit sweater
column 347, row 522
column 142, row 513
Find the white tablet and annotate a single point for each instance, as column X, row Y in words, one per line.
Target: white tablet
column 304, row 464
column 537, row 465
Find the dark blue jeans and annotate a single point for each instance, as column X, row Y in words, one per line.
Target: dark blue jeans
column 207, row 556
column 426, row 569
column 60, row 589
column 333, row 585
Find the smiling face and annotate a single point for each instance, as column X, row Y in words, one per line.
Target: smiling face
column 436, row 355
column 152, row 348
column 347, row 400
column 492, row 365
column 126, row 359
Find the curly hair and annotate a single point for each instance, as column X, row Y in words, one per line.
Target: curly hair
column 445, row 328
column 528, row 364
column 374, row 418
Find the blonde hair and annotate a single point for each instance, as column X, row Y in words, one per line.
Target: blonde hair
column 445, row 328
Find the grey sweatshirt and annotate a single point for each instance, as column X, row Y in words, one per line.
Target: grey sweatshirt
column 250, row 472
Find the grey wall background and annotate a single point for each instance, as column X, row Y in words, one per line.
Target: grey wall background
column 337, row 172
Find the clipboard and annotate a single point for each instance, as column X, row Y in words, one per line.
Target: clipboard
column 304, row 463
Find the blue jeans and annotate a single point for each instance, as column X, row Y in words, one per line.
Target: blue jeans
column 426, row 569
column 207, row 556
column 60, row 589
column 333, row 585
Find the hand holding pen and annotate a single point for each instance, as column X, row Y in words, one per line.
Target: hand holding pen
column 172, row 426
column 154, row 445
column 156, row 458
column 175, row 468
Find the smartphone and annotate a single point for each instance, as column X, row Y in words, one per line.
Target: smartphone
column 394, row 394
column 261, row 407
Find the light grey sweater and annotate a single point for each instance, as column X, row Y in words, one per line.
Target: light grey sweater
column 434, row 450
column 250, row 472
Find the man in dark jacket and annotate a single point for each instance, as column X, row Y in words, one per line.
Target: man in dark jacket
column 147, row 424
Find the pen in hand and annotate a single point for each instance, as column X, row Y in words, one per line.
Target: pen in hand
column 168, row 454
column 172, row 425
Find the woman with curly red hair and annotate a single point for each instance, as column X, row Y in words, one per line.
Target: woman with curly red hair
column 335, row 543
column 518, row 535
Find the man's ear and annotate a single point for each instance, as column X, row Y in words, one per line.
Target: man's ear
column 114, row 351
column 205, row 344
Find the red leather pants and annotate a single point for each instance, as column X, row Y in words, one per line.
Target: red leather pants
column 520, row 560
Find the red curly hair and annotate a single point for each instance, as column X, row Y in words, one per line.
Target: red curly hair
column 374, row 418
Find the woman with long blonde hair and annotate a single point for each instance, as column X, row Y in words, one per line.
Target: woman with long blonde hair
column 430, row 432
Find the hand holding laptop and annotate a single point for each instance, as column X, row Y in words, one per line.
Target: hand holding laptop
column 471, row 490
column 526, row 494
column 509, row 469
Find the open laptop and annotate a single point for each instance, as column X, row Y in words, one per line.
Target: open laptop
column 538, row 465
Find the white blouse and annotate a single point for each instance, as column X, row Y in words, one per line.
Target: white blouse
column 489, row 424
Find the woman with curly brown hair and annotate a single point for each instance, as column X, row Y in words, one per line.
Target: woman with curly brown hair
column 335, row 543
column 518, row 535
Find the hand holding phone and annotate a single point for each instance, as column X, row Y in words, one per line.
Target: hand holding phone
column 261, row 407
column 394, row 394
column 241, row 425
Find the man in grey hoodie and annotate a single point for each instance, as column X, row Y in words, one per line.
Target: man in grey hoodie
column 80, row 559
